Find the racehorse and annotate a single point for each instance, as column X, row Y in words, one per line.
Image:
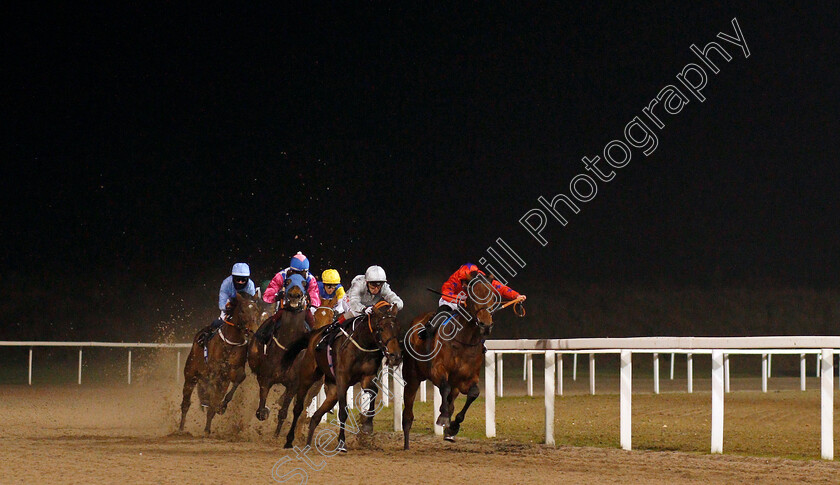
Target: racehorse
column 224, row 361
column 355, row 355
column 271, row 362
column 451, row 358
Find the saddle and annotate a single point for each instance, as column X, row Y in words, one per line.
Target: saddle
column 332, row 330
column 430, row 329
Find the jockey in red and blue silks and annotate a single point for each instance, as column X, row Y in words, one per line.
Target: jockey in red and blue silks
column 277, row 289
column 454, row 287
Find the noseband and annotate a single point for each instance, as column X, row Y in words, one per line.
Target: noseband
column 383, row 346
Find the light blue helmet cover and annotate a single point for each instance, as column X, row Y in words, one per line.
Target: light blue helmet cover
column 241, row 269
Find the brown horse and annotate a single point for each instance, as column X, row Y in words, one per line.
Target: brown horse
column 356, row 356
column 452, row 358
column 225, row 361
column 272, row 363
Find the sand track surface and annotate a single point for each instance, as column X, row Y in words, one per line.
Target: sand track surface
column 126, row 434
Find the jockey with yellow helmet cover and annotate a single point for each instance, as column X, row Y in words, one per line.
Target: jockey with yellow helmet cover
column 331, row 291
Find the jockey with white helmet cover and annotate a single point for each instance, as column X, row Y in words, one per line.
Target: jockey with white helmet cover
column 367, row 290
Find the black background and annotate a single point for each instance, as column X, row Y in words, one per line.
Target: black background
column 149, row 148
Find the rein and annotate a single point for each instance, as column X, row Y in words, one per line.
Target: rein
column 234, row 344
column 381, row 346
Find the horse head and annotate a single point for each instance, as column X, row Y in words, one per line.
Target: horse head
column 386, row 329
column 296, row 299
column 246, row 312
column 481, row 301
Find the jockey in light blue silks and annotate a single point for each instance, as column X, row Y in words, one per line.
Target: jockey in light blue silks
column 239, row 280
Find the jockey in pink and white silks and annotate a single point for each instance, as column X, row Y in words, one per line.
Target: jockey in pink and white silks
column 277, row 288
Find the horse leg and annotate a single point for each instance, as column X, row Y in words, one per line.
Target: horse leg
column 450, row 409
column 455, row 425
column 262, row 410
column 300, row 403
column 215, row 391
column 284, row 410
column 445, row 414
column 329, row 402
column 237, row 378
column 411, row 387
column 189, row 384
column 368, row 387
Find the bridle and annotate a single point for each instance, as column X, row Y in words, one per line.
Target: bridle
column 383, row 346
column 241, row 326
column 376, row 332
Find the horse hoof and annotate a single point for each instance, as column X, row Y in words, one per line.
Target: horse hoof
column 222, row 409
column 367, row 428
column 453, row 429
column 341, row 448
column 262, row 414
column 288, row 445
column 450, row 439
column 443, row 421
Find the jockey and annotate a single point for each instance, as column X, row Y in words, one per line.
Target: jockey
column 331, row 291
column 454, row 286
column 365, row 291
column 277, row 289
column 299, row 265
column 239, row 280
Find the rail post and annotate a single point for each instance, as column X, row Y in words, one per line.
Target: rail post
column 549, row 396
column 489, row 395
column 827, row 404
column 626, row 398
column 717, row 401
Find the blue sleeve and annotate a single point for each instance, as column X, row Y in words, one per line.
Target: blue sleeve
column 250, row 289
column 227, row 292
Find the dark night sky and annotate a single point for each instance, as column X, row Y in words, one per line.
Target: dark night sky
column 164, row 144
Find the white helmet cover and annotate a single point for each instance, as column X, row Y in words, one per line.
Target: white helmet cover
column 374, row 274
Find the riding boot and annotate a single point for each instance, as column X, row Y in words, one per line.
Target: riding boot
column 266, row 330
column 310, row 320
column 324, row 335
column 208, row 331
column 429, row 327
